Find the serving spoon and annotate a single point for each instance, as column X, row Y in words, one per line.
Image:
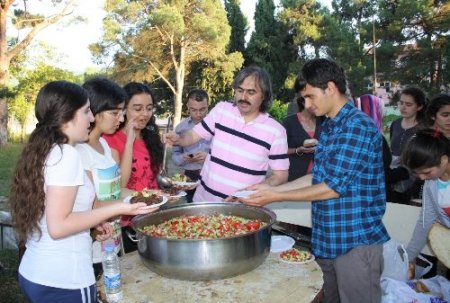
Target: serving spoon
column 162, row 179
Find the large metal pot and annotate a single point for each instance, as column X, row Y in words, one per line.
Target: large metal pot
column 207, row 259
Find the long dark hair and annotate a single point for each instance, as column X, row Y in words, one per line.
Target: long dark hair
column 150, row 133
column 104, row 94
column 57, row 103
column 425, row 149
column 435, row 105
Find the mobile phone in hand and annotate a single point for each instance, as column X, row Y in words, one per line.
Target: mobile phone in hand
column 191, row 155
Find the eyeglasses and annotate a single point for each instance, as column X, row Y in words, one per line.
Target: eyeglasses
column 200, row 111
column 116, row 113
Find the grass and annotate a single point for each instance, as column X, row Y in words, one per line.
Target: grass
column 8, row 158
column 9, row 288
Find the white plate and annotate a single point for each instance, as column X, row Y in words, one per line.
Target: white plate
column 244, row 193
column 164, row 201
column 281, row 243
column 185, row 183
column 180, row 194
column 299, row 262
column 191, row 185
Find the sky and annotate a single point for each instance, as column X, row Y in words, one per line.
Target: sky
column 71, row 41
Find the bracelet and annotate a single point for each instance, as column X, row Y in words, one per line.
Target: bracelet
column 297, row 152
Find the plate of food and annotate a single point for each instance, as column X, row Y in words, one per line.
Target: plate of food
column 151, row 198
column 281, row 243
column 173, row 192
column 244, row 193
column 182, row 182
column 295, row 256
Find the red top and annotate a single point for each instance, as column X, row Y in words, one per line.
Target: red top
column 141, row 174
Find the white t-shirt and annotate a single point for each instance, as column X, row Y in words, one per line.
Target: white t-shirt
column 67, row 262
column 106, row 175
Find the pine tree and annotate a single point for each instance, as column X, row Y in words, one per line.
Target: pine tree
column 266, row 46
column 239, row 26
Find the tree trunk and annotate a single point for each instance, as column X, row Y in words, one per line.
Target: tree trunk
column 179, row 88
column 4, row 69
column 3, row 122
column 7, row 54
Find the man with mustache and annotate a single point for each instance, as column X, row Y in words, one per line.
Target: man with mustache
column 245, row 141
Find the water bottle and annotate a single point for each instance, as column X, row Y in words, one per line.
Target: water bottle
column 111, row 274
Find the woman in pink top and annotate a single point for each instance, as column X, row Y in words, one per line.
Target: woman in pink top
column 137, row 146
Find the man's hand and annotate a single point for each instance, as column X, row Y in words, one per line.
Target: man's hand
column 171, row 138
column 261, row 198
column 188, row 158
column 199, row 157
column 306, row 150
column 260, row 186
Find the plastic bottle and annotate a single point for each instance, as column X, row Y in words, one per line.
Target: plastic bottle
column 112, row 275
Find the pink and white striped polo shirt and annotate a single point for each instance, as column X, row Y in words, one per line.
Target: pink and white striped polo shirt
column 240, row 154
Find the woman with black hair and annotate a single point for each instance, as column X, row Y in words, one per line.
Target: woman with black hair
column 137, row 145
column 427, row 155
column 412, row 106
column 302, row 128
column 438, row 114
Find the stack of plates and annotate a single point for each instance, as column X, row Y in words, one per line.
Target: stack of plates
column 281, row 243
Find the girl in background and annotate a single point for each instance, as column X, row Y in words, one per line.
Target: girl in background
column 51, row 201
column 107, row 101
column 137, row 146
column 373, row 107
column 412, row 105
column 438, row 114
column 427, row 154
column 300, row 127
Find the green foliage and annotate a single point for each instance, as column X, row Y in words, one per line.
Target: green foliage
column 278, row 110
column 239, row 26
column 8, row 158
column 387, row 120
column 30, row 82
column 418, row 30
column 217, row 76
column 165, row 41
column 268, row 44
column 9, row 288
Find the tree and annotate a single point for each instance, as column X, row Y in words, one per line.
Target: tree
column 239, row 26
column 152, row 40
column 21, row 19
column 302, row 20
column 266, row 47
column 419, row 32
column 22, row 104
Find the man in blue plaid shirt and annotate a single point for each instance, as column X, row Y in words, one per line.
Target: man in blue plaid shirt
column 346, row 186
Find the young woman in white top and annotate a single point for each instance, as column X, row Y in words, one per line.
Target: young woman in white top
column 51, row 199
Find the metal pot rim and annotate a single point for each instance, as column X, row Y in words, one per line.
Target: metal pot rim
column 135, row 221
